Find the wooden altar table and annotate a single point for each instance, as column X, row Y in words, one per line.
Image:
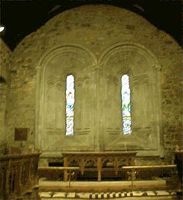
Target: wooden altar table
column 98, row 160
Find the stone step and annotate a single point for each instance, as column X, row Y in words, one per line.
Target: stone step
column 101, row 186
column 143, row 195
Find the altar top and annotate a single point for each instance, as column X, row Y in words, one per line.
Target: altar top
column 101, row 153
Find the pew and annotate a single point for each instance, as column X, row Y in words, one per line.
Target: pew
column 59, row 171
column 153, row 183
column 142, row 172
column 18, row 175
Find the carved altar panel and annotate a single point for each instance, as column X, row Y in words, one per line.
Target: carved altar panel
column 98, row 160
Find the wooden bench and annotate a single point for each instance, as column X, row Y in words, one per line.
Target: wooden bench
column 68, row 171
column 133, row 171
column 18, row 174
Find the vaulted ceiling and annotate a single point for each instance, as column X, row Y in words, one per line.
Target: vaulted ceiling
column 21, row 17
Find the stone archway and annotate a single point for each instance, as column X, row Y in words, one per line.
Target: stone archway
column 55, row 66
column 97, row 95
column 143, row 68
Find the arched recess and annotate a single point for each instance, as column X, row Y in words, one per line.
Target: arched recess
column 51, row 84
column 143, row 70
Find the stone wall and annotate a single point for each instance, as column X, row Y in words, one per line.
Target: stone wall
column 95, row 29
column 5, row 54
column 172, row 101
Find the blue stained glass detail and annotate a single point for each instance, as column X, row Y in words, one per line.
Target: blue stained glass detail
column 70, row 98
column 126, row 106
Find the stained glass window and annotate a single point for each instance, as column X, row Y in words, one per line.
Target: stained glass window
column 126, row 106
column 70, row 105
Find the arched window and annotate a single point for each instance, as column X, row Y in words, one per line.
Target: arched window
column 70, row 98
column 125, row 105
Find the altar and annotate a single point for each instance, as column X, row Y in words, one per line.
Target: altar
column 97, row 161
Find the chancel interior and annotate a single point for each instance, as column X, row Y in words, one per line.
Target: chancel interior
column 91, row 108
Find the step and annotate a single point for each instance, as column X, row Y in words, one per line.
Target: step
column 149, row 195
column 101, row 186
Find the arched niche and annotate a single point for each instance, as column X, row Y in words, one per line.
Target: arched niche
column 143, row 70
column 98, row 120
column 51, row 85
